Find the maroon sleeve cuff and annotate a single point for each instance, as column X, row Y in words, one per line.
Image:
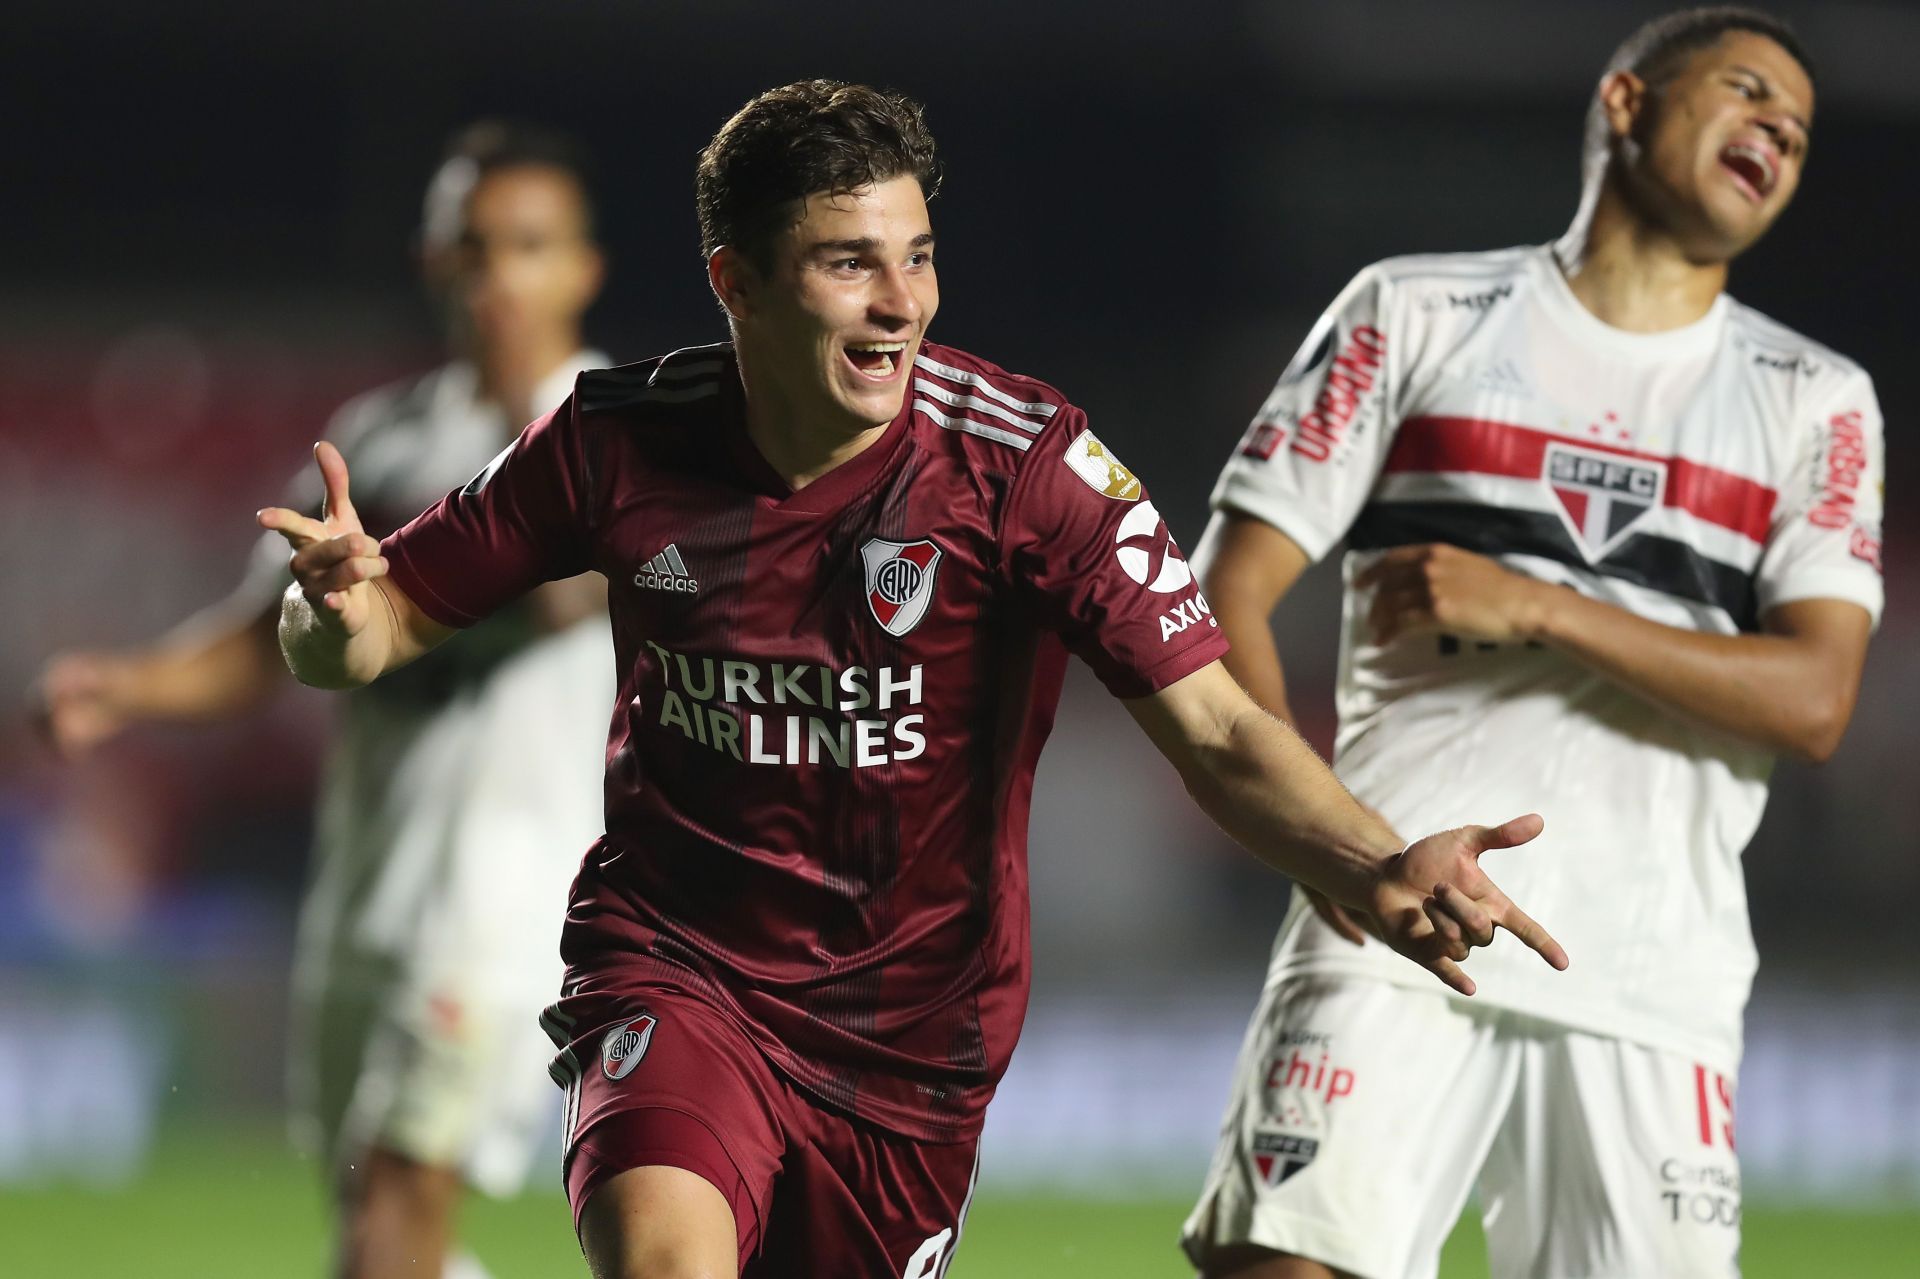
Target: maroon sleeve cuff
column 1171, row 669
column 406, row 576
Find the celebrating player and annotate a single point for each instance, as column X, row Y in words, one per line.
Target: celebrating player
column 847, row 567
column 1613, row 539
column 428, row 938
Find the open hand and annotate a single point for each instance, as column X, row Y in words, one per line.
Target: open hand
column 1433, row 903
column 1436, row 587
column 334, row 559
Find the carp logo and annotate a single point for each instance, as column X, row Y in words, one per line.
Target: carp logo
column 625, row 1045
column 1602, row 496
column 1147, row 553
column 1278, row 1155
column 899, row 581
column 1093, row 462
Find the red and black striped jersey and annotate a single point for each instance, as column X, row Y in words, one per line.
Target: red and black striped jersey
column 1698, row 477
column 832, row 699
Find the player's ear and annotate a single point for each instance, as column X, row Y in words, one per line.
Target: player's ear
column 732, row 277
column 1622, row 97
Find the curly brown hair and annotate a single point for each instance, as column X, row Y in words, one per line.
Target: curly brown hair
column 799, row 139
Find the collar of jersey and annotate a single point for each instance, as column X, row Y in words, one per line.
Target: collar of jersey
column 828, row 493
column 1557, row 299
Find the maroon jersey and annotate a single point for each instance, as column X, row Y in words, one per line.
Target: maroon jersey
column 831, row 700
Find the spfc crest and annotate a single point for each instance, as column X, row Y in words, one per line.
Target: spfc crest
column 1602, row 496
column 625, row 1045
column 899, row 581
column 1278, row 1155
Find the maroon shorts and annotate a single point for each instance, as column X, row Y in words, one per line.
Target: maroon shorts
column 661, row 1077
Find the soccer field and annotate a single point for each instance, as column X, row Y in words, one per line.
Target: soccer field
column 238, row 1206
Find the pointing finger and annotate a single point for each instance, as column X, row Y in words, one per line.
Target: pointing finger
column 298, row 529
column 333, row 471
column 1522, row 925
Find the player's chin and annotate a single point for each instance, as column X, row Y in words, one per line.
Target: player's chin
column 874, row 405
column 1733, row 224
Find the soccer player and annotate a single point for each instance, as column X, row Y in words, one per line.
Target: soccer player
column 428, row 937
column 1613, row 539
column 847, row 568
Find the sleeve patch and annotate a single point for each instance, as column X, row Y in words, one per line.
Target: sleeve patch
column 1095, row 463
column 1354, row 373
column 1846, row 462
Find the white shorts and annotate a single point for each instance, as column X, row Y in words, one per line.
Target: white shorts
column 1363, row 1113
column 453, row 1081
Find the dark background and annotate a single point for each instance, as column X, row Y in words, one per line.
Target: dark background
column 205, row 223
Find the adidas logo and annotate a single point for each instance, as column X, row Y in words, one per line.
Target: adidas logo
column 666, row 572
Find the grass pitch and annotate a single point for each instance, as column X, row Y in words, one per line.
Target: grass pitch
column 234, row 1204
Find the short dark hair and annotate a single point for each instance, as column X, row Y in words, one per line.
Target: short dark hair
column 1662, row 46
column 800, row 139
column 491, row 145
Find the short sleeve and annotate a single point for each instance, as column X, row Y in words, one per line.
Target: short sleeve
column 1824, row 542
column 1083, row 543
column 1314, row 450
column 520, row 522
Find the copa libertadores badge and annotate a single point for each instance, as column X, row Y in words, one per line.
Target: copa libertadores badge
column 899, row 581
column 625, row 1045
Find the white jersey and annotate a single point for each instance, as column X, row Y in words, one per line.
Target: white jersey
column 1697, row 477
column 462, row 790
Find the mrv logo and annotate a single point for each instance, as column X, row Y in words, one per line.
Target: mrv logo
column 1603, row 496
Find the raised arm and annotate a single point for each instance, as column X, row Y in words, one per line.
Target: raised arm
column 1268, row 790
column 343, row 622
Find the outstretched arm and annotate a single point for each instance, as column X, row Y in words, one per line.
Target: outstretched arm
column 1266, row 788
column 1246, row 567
column 221, row 661
column 343, row 622
column 1790, row 689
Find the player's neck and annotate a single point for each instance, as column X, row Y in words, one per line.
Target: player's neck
column 800, row 442
column 511, row 376
column 1632, row 274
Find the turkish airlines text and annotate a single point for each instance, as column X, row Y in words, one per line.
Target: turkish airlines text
column 714, row 701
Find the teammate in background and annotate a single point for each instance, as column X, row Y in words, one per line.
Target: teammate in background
column 847, row 568
column 454, row 792
column 1613, row 538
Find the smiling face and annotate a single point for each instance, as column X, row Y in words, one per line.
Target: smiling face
column 830, row 327
column 1714, row 155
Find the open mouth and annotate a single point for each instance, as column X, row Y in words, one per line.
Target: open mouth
column 875, row 361
column 1753, row 170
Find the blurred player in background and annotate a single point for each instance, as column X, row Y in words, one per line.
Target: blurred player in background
column 457, row 795
column 1613, row 544
column 847, row 567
